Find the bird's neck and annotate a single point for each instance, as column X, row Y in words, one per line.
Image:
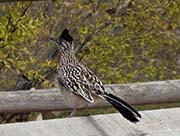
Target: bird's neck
column 67, row 57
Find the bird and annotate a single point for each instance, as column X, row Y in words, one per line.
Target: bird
column 79, row 85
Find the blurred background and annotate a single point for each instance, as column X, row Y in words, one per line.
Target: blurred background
column 122, row 41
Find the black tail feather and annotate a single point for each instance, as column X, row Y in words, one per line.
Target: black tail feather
column 125, row 109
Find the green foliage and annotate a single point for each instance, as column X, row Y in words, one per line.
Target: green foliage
column 18, row 43
column 141, row 44
column 146, row 49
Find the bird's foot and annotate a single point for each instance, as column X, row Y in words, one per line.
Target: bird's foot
column 72, row 113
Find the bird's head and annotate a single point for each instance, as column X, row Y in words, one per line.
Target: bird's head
column 65, row 41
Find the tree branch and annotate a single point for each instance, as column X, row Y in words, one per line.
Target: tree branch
column 156, row 92
column 90, row 36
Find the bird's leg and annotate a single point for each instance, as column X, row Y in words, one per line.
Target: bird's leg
column 78, row 103
column 73, row 112
column 85, row 108
column 75, row 109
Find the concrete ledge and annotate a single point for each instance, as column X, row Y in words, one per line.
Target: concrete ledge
column 164, row 122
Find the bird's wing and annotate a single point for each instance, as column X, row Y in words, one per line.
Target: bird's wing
column 96, row 86
column 76, row 81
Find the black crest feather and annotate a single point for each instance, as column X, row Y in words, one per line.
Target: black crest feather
column 66, row 36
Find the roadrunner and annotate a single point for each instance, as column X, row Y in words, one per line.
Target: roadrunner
column 80, row 85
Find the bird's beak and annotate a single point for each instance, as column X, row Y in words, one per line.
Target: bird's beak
column 53, row 39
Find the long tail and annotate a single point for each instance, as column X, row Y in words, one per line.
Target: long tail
column 125, row 109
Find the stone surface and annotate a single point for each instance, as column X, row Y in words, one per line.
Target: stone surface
column 163, row 122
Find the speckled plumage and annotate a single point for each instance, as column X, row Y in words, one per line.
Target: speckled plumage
column 79, row 81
